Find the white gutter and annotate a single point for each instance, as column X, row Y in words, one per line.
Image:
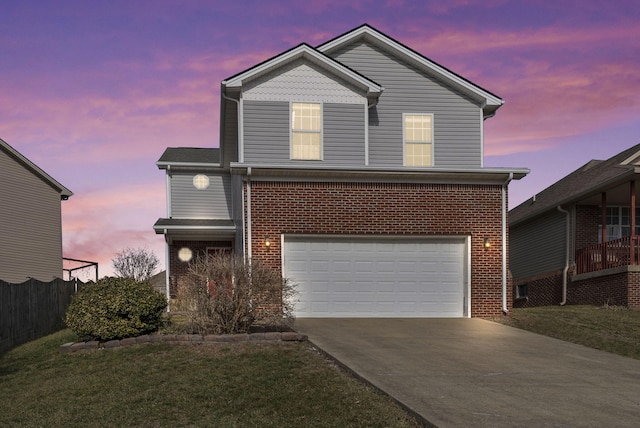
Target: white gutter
column 366, row 135
column 167, row 277
column 505, row 308
column 248, row 252
column 566, row 258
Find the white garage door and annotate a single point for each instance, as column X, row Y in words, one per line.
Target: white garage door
column 377, row 277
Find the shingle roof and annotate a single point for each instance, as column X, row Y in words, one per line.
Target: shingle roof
column 187, row 155
column 192, row 222
column 592, row 177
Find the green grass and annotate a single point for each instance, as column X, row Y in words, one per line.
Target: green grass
column 237, row 385
column 611, row 329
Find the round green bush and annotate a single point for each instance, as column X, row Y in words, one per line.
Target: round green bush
column 115, row 308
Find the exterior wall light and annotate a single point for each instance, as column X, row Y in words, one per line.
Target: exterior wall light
column 185, row 254
column 200, row 181
column 267, row 241
column 486, row 242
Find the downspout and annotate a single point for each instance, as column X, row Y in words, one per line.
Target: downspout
column 248, row 253
column 167, row 273
column 167, row 250
column 565, row 271
column 505, row 307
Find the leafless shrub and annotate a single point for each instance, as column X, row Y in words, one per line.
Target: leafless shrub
column 138, row 264
column 223, row 294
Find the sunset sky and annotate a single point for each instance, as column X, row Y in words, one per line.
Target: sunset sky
column 94, row 91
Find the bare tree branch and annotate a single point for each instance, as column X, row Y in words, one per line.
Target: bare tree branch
column 138, row 264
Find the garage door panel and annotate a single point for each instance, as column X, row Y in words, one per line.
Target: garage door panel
column 376, row 277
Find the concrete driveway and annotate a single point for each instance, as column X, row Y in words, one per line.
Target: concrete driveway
column 476, row 373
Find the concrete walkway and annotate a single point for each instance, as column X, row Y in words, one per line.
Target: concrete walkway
column 476, row 373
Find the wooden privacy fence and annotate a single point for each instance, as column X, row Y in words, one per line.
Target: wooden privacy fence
column 33, row 309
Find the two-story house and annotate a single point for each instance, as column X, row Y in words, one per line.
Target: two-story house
column 356, row 169
column 31, row 219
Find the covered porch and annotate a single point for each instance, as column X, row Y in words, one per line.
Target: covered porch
column 618, row 238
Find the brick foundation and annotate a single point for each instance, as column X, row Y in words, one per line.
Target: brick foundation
column 542, row 291
column 615, row 289
column 598, row 291
column 386, row 209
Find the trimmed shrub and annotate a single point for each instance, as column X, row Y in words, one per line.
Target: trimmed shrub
column 223, row 294
column 115, row 308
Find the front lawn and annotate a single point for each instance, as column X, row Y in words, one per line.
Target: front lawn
column 611, row 329
column 277, row 384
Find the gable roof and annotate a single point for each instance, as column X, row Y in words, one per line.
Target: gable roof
column 490, row 101
column 37, row 171
column 189, row 157
column 591, row 178
column 307, row 52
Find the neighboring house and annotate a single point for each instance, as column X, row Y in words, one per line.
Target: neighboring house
column 576, row 242
column 356, row 169
column 30, row 218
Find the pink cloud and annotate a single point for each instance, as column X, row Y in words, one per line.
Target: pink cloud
column 99, row 223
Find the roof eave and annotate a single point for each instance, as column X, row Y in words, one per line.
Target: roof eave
column 604, row 185
column 188, row 165
column 236, row 82
column 64, row 192
column 490, row 174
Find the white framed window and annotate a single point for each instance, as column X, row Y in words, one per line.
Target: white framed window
column 619, row 223
column 417, row 138
column 306, row 131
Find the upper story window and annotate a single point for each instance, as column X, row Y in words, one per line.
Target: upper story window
column 417, row 134
column 306, row 131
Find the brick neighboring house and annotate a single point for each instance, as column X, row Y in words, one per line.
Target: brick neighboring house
column 576, row 242
column 30, row 219
column 356, row 169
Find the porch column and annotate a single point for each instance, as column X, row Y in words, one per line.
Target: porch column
column 632, row 214
column 604, row 231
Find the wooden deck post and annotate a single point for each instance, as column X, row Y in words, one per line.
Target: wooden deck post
column 632, row 219
column 604, row 231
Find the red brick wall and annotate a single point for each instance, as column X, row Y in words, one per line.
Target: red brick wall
column 610, row 290
column 387, row 209
column 543, row 290
column 178, row 268
column 588, row 218
column 620, row 289
column 633, row 291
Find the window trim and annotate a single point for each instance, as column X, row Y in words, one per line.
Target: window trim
column 404, row 139
column 619, row 228
column 320, row 131
column 522, row 291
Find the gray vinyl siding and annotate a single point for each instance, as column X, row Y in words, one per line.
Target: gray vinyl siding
column 344, row 134
column 214, row 202
column 538, row 247
column 267, row 139
column 301, row 81
column 457, row 119
column 266, row 131
column 31, row 230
